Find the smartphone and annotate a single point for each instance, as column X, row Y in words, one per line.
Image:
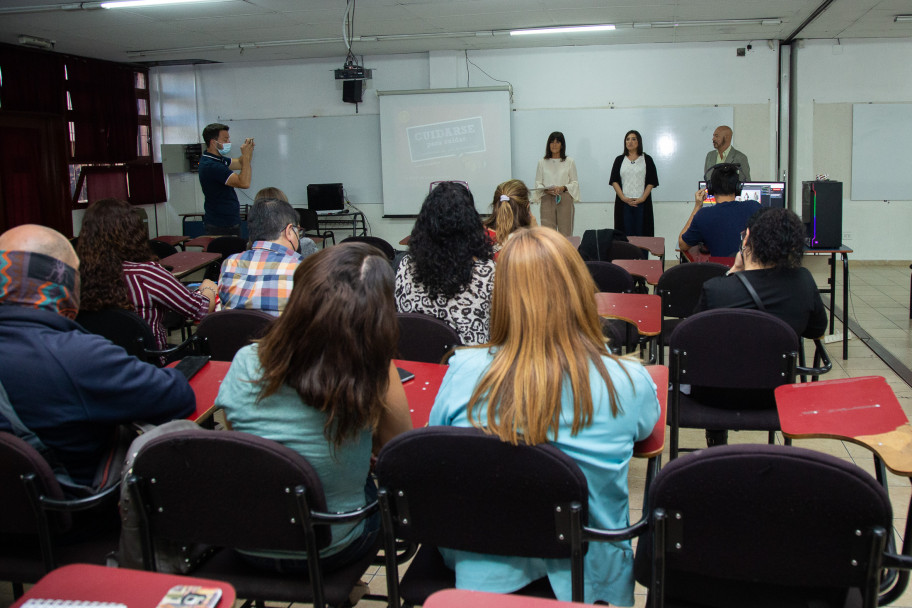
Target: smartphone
column 191, row 595
column 405, row 375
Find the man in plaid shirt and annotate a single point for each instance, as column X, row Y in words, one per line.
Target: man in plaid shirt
column 261, row 278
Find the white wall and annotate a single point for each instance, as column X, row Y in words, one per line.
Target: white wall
column 657, row 75
column 830, row 78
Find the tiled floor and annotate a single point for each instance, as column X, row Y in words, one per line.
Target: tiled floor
column 879, row 304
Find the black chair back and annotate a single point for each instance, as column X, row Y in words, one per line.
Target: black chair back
column 224, row 245
column 162, row 249
column 734, row 348
column 424, row 337
column 124, row 328
column 610, row 278
column 310, row 222
column 760, row 525
column 228, row 331
column 680, row 286
column 377, row 242
column 462, row 489
column 622, row 250
column 733, row 359
column 37, row 519
column 241, row 491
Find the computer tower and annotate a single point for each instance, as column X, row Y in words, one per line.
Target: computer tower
column 821, row 212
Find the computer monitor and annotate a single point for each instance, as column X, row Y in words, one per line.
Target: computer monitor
column 325, row 198
column 768, row 194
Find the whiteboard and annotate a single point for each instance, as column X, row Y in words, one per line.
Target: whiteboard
column 443, row 134
column 677, row 139
column 881, row 151
column 293, row 152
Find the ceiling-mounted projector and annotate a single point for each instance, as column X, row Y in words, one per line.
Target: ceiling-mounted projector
column 350, row 71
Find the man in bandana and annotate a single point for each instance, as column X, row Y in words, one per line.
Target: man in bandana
column 67, row 386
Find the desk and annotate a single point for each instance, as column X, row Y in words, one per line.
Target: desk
column 200, row 241
column 650, row 270
column 173, row 240
column 348, row 221
column 653, row 244
column 861, row 410
column 843, row 251
column 643, row 310
column 135, row 588
column 419, row 391
column 185, row 262
column 205, row 384
column 695, row 255
column 655, row 443
column 461, row 598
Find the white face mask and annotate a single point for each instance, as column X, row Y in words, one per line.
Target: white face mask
column 225, row 148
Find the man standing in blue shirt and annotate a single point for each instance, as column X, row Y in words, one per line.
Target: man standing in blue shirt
column 218, row 179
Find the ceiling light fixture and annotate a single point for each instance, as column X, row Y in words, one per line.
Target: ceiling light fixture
column 902, row 19
column 569, row 29
column 36, row 42
column 665, row 24
column 143, row 3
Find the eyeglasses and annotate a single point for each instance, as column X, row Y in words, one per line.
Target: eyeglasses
column 298, row 230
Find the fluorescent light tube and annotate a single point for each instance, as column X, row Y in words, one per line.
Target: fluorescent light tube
column 902, row 19
column 142, row 3
column 570, row 29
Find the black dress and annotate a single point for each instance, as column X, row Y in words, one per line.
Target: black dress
column 652, row 178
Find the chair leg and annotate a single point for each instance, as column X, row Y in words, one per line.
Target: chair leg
column 17, row 591
column 772, row 438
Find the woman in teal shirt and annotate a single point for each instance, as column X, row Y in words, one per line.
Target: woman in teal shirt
column 547, row 376
column 322, row 382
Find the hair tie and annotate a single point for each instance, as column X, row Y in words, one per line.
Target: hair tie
column 504, row 197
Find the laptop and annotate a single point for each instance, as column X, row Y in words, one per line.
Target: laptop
column 326, row 199
column 768, row 194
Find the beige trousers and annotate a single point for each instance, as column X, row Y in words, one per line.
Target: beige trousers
column 558, row 216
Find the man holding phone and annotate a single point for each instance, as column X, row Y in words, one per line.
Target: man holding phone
column 218, row 180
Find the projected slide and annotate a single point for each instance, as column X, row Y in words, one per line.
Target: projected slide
column 434, row 135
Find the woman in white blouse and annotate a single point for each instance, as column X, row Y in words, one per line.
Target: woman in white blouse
column 633, row 177
column 556, row 186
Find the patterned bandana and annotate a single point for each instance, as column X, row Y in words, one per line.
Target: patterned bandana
column 38, row 281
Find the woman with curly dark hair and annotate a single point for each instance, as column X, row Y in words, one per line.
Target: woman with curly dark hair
column 119, row 270
column 770, row 261
column 449, row 272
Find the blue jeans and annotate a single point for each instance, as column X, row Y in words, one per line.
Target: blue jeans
column 356, row 549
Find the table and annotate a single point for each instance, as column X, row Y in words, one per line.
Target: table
column 653, row 244
column 173, row 240
column 200, row 241
column 183, row 263
column 419, row 391
column 135, row 588
column 461, row 598
column 353, row 218
column 860, row 410
column 650, row 270
column 843, row 251
column 205, row 384
column 642, row 309
column 422, row 389
column 695, row 255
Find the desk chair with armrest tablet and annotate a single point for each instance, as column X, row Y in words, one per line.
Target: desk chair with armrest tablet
column 462, row 489
column 37, row 529
column 424, row 337
column 680, row 288
column 768, row 525
column 235, row 506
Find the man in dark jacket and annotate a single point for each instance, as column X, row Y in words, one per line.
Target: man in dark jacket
column 69, row 387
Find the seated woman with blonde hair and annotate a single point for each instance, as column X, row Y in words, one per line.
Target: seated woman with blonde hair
column 510, row 211
column 546, row 376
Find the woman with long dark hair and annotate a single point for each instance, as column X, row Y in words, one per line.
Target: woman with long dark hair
column 449, row 271
column 322, row 382
column 119, row 270
column 633, row 176
column 546, row 376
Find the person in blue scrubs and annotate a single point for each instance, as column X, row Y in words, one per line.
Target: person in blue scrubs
column 546, row 376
